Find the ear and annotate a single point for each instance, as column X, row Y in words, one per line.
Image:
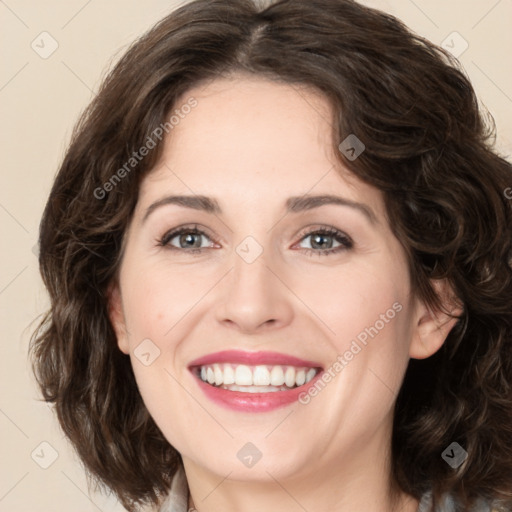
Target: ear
column 432, row 327
column 117, row 318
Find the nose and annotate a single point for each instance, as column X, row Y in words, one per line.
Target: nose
column 255, row 297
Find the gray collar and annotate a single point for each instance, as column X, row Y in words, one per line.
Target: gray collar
column 177, row 499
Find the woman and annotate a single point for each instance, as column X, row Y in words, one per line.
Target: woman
column 278, row 254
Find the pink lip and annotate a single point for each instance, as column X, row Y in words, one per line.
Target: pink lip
column 253, row 359
column 252, row 402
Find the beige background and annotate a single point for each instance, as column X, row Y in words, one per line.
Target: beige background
column 40, row 100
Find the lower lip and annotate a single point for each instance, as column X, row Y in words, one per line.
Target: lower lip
column 254, row 402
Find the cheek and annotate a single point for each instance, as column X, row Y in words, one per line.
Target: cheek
column 155, row 302
column 157, row 297
column 348, row 301
column 367, row 309
column 376, row 324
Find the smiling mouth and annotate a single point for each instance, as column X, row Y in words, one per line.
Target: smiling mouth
column 255, row 379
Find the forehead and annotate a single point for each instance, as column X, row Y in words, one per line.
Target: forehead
column 251, row 135
column 256, row 117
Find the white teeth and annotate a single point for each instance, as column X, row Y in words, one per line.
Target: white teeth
column 277, row 376
column 219, row 375
column 261, row 376
column 243, row 375
column 289, row 377
column 311, row 373
column 256, row 379
column 229, row 374
column 255, row 389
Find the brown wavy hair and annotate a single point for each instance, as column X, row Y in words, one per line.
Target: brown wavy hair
column 429, row 150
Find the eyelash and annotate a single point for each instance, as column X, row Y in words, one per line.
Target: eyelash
column 344, row 240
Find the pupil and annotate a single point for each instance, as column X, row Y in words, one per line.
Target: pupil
column 186, row 239
column 319, row 237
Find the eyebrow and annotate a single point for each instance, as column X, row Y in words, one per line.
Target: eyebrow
column 302, row 203
column 294, row 204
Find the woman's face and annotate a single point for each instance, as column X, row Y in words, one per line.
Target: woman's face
column 275, row 265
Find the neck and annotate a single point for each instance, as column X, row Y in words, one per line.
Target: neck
column 357, row 480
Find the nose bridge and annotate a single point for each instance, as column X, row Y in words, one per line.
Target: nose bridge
column 254, row 297
column 250, row 268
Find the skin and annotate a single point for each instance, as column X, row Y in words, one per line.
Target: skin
column 250, row 144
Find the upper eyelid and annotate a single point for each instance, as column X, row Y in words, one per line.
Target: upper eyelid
column 323, row 228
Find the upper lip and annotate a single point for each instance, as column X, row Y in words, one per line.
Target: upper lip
column 253, row 359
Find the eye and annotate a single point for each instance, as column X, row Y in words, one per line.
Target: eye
column 185, row 238
column 322, row 241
